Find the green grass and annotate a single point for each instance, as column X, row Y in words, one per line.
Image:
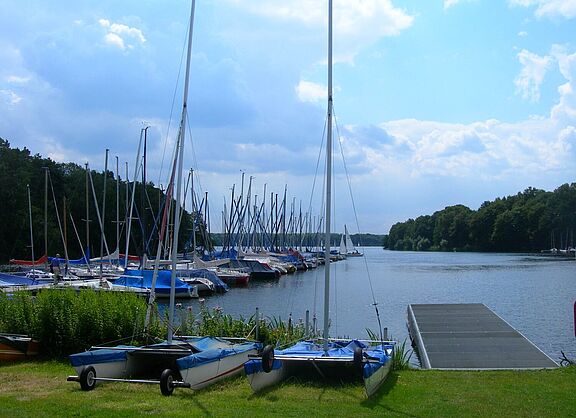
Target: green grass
column 40, row 389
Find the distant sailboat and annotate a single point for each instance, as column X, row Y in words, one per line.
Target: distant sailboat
column 351, row 250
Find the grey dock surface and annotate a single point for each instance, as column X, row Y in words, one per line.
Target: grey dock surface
column 470, row 336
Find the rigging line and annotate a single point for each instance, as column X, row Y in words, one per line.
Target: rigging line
column 374, row 302
column 58, row 218
column 194, row 159
column 184, row 48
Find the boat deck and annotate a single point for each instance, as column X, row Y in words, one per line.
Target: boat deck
column 470, row 337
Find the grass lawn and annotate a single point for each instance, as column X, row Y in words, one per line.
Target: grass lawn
column 40, row 389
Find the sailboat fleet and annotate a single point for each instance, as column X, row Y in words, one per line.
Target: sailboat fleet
column 195, row 362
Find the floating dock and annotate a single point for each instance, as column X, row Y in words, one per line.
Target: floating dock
column 470, row 336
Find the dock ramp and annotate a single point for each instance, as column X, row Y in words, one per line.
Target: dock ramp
column 470, row 336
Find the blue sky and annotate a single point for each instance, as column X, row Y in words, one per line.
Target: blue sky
column 437, row 103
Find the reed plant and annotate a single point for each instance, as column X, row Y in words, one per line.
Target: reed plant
column 401, row 355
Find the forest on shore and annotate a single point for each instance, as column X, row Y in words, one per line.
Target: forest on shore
column 530, row 221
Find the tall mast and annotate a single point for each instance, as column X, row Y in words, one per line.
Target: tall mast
column 103, row 214
column 328, row 185
column 46, row 213
column 118, row 207
column 87, row 210
column 180, row 157
column 31, row 232
column 144, row 199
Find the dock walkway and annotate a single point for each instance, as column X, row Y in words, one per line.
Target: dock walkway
column 470, row 337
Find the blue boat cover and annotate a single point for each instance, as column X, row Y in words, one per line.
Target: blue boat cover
column 12, row 280
column 255, row 366
column 103, row 355
column 312, row 349
column 206, row 274
column 214, row 354
column 142, row 279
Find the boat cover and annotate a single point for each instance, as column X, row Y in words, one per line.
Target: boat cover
column 220, row 286
column 142, row 279
column 12, row 280
column 312, row 349
column 214, row 354
column 103, row 355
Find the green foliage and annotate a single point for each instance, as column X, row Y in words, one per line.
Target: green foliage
column 66, row 321
column 215, row 322
column 400, row 356
column 529, row 221
column 68, row 180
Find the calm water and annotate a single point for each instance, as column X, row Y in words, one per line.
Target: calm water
column 534, row 294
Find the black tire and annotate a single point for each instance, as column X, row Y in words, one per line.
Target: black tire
column 166, row 382
column 88, row 378
column 268, row 358
column 358, row 360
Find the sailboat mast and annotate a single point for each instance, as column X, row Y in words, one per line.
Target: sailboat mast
column 31, row 232
column 46, row 214
column 180, row 153
column 103, row 215
column 328, row 185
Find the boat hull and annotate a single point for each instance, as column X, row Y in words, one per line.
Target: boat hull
column 211, row 372
column 17, row 347
column 339, row 362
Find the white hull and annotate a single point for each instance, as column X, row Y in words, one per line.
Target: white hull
column 373, row 383
column 111, row 370
column 261, row 381
column 209, row 373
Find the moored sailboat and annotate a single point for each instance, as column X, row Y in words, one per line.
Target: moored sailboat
column 341, row 358
column 191, row 362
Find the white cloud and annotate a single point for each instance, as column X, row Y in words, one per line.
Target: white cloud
column 308, row 91
column 120, row 35
column 15, row 79
column 522, row 34
column 10, row 97
column 550, row 8
column 534, row 68
column 489, row 150
column 357, row 23
column 451, row 3
column 115, row 40
column 565, row 110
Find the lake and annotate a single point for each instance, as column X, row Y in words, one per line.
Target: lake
column 534, row 294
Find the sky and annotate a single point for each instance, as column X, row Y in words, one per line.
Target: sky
column 437, row 103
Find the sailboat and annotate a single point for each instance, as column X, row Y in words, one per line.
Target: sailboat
column 340, row 358
column 186, row 361
column 351, row 250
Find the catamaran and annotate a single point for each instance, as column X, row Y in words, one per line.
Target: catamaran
column 188, row 361
column 329, row 357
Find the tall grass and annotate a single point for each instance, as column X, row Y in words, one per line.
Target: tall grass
column 68, row 321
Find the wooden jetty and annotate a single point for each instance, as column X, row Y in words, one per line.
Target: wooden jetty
column 470, row 336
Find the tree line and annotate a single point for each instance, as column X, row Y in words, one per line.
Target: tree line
column 530, row 221
column 68, row 189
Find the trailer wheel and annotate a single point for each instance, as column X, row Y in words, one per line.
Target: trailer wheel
column 166, row 382
column 358, row 359
column 268, row 358
column 88, row 378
